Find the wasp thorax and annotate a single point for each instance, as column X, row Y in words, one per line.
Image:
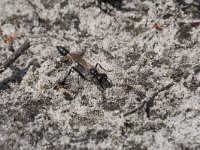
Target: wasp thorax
column 93, row 71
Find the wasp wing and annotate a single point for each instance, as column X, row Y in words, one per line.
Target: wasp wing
column 76, row 58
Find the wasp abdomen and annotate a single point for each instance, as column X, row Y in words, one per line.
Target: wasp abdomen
column 63, row 51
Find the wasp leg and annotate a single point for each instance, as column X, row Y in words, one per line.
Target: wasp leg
column 70, row 70
column 102, row 67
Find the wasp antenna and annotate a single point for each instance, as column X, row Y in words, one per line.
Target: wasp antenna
column 62, row 50
column 102, row 67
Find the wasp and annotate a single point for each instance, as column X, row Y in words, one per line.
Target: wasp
column 85, row 69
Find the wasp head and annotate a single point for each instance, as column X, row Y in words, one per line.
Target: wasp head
column 103, row 81
column 63, row 51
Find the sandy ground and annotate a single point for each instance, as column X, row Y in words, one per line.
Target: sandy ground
column 156, row 70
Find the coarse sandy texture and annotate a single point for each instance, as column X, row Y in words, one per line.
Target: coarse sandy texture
column 38, row 111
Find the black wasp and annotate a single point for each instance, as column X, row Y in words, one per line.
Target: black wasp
column 85, row 69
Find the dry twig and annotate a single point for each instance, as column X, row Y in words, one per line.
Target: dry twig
column 149, row 101
column 15, row 55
